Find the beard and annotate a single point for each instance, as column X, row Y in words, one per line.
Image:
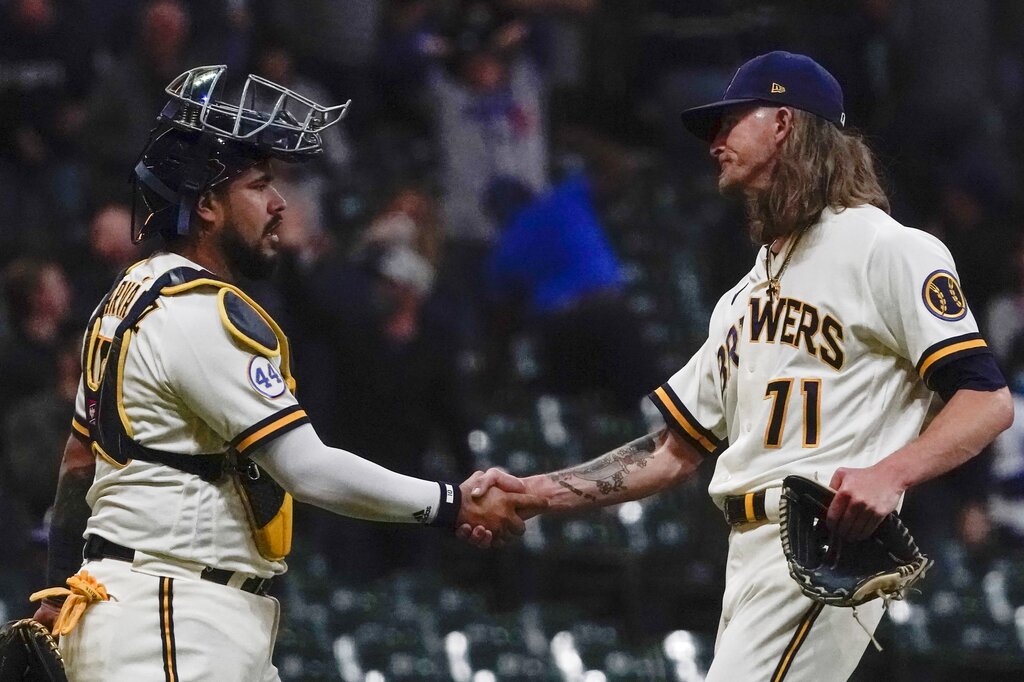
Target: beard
column 248, row 260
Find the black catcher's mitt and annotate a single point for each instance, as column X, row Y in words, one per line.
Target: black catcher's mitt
column 839, row 573
column 29, row 654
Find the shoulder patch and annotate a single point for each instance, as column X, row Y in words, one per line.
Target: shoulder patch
column 943, row 297
column 246, row 325
column 265, row 378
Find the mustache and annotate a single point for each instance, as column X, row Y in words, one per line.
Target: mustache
column 272, row 224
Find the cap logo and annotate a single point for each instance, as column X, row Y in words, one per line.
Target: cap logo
column 776, row 89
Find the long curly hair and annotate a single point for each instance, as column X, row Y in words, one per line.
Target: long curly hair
column 819, row 165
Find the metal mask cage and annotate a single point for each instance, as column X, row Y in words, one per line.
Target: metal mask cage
column 266, row 114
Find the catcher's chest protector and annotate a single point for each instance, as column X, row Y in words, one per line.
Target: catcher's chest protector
column 268, row 507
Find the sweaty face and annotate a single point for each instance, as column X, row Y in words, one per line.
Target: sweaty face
column 745, row 147
column 253, row 208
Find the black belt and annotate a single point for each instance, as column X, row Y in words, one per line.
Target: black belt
column 101, row 548
column 743, row 509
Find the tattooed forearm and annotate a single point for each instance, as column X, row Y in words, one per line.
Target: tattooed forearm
column 576, row 491
column 610, row 471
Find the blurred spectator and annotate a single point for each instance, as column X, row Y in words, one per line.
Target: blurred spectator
column 411, row 219
column 335, row 40
column 490, row 117
column 276, row 62
column 320, row 180
column 45, row 71
column 959, row 588
column 224, row 32
column 553, row 257
column 122, row 104
column 942, row 61
column 1005, row 315
column 110, row 250
column 38, row 301
column 858, row 42
column 35, row 430
column 411, row 42
column 976, row 546
column 971, row 222
column 380, row 369
column 1007, row 498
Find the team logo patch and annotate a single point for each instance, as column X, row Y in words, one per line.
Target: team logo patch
column 943, row 297
column 265, row 378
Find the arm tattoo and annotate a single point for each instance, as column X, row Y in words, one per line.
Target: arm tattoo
column 610, row 470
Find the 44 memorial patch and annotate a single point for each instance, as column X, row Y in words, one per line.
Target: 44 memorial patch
column 265, row 377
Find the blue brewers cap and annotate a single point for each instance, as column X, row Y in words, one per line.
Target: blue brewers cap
column 779, row 78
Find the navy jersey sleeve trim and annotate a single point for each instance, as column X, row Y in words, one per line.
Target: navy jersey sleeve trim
column 266, row 430
column 942, row 353
column 682, row 421
column 978, row 372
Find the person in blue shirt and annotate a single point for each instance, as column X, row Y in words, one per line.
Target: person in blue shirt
column 553, row 259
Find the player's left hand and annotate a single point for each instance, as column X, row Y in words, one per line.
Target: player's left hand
column 863, row 498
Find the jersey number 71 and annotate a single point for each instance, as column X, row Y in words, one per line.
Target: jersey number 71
column 778, row 390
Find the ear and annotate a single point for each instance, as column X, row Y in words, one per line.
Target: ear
column 784, row 121
column 210, row 207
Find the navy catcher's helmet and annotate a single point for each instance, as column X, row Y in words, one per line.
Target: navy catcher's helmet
column 201, row 141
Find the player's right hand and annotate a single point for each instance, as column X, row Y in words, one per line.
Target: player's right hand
column 47, row 614
column 477, row 487
column 501, row 514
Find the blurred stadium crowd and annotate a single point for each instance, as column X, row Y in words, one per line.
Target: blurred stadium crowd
column 509, row 241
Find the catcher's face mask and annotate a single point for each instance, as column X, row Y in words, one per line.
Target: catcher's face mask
column 202, row 140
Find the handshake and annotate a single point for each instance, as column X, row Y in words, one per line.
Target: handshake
column 495, row 508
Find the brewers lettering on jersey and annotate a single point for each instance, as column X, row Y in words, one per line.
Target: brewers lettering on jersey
column 188, row 440
column 826, row 361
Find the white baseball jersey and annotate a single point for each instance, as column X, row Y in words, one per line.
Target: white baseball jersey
column 189, row 387
column 833, row 373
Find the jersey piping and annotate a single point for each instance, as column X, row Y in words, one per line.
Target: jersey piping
column 682, row 421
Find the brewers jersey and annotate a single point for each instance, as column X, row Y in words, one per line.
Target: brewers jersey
column 192, row 385
column 834, row 371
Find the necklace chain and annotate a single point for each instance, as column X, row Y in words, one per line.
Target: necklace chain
column 774, row 285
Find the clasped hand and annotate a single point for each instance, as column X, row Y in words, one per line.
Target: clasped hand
column 495, row 507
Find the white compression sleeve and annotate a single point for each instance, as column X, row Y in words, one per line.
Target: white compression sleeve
column 344, row 483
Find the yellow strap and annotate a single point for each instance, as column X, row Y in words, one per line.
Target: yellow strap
column 84, row 591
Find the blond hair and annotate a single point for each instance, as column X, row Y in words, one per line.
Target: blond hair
column 819, row 165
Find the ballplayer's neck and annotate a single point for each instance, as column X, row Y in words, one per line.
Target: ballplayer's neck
column 777, row 245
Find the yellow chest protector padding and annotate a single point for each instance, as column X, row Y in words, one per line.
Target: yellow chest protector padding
column 268, row 506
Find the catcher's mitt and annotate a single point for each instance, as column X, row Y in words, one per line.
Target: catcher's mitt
column 29, row 654
column 839, row 573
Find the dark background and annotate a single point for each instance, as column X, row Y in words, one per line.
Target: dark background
column 413, row 352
